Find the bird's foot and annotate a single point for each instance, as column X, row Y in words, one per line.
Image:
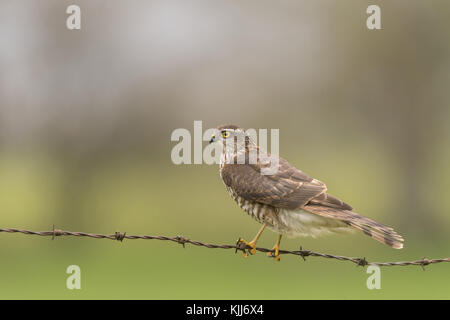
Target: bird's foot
column 251, row 244
column 275, row 253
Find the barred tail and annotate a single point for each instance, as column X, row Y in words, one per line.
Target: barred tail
column 369, row 227
column 382, row 234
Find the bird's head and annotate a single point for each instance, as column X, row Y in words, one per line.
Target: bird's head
column 236, row 142
column 228, row 133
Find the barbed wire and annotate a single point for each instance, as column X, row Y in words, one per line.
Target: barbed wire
column 239, row 246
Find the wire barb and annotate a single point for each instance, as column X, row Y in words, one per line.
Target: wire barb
column 56, row 232
column 182, row 240
column 120, row 236
column 240, row 245
column 304, row 253
column 424, row 262
column 361, row 262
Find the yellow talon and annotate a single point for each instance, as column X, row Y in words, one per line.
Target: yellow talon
column 252, row 244
column 275, row 253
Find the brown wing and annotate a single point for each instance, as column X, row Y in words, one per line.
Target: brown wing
column 292, row 189
column 327, row 200
column 288, row 188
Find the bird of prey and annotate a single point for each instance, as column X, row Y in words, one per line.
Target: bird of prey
column 288, row 201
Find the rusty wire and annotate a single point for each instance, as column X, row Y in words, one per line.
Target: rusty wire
column 239, row 246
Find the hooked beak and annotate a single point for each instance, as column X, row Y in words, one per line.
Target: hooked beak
column 213, row 138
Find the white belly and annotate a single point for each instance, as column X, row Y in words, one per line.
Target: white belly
column 300, row 223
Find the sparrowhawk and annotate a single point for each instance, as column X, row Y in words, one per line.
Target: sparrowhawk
column 288, row 201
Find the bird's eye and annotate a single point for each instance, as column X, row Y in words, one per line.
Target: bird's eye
column 225, row 134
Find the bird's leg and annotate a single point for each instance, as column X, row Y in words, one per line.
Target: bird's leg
column 252, row 243
column 275, row 253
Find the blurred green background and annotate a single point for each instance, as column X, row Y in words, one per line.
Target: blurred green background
column 86, row 118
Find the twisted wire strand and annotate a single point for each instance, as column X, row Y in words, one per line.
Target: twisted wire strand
column 239, row 246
